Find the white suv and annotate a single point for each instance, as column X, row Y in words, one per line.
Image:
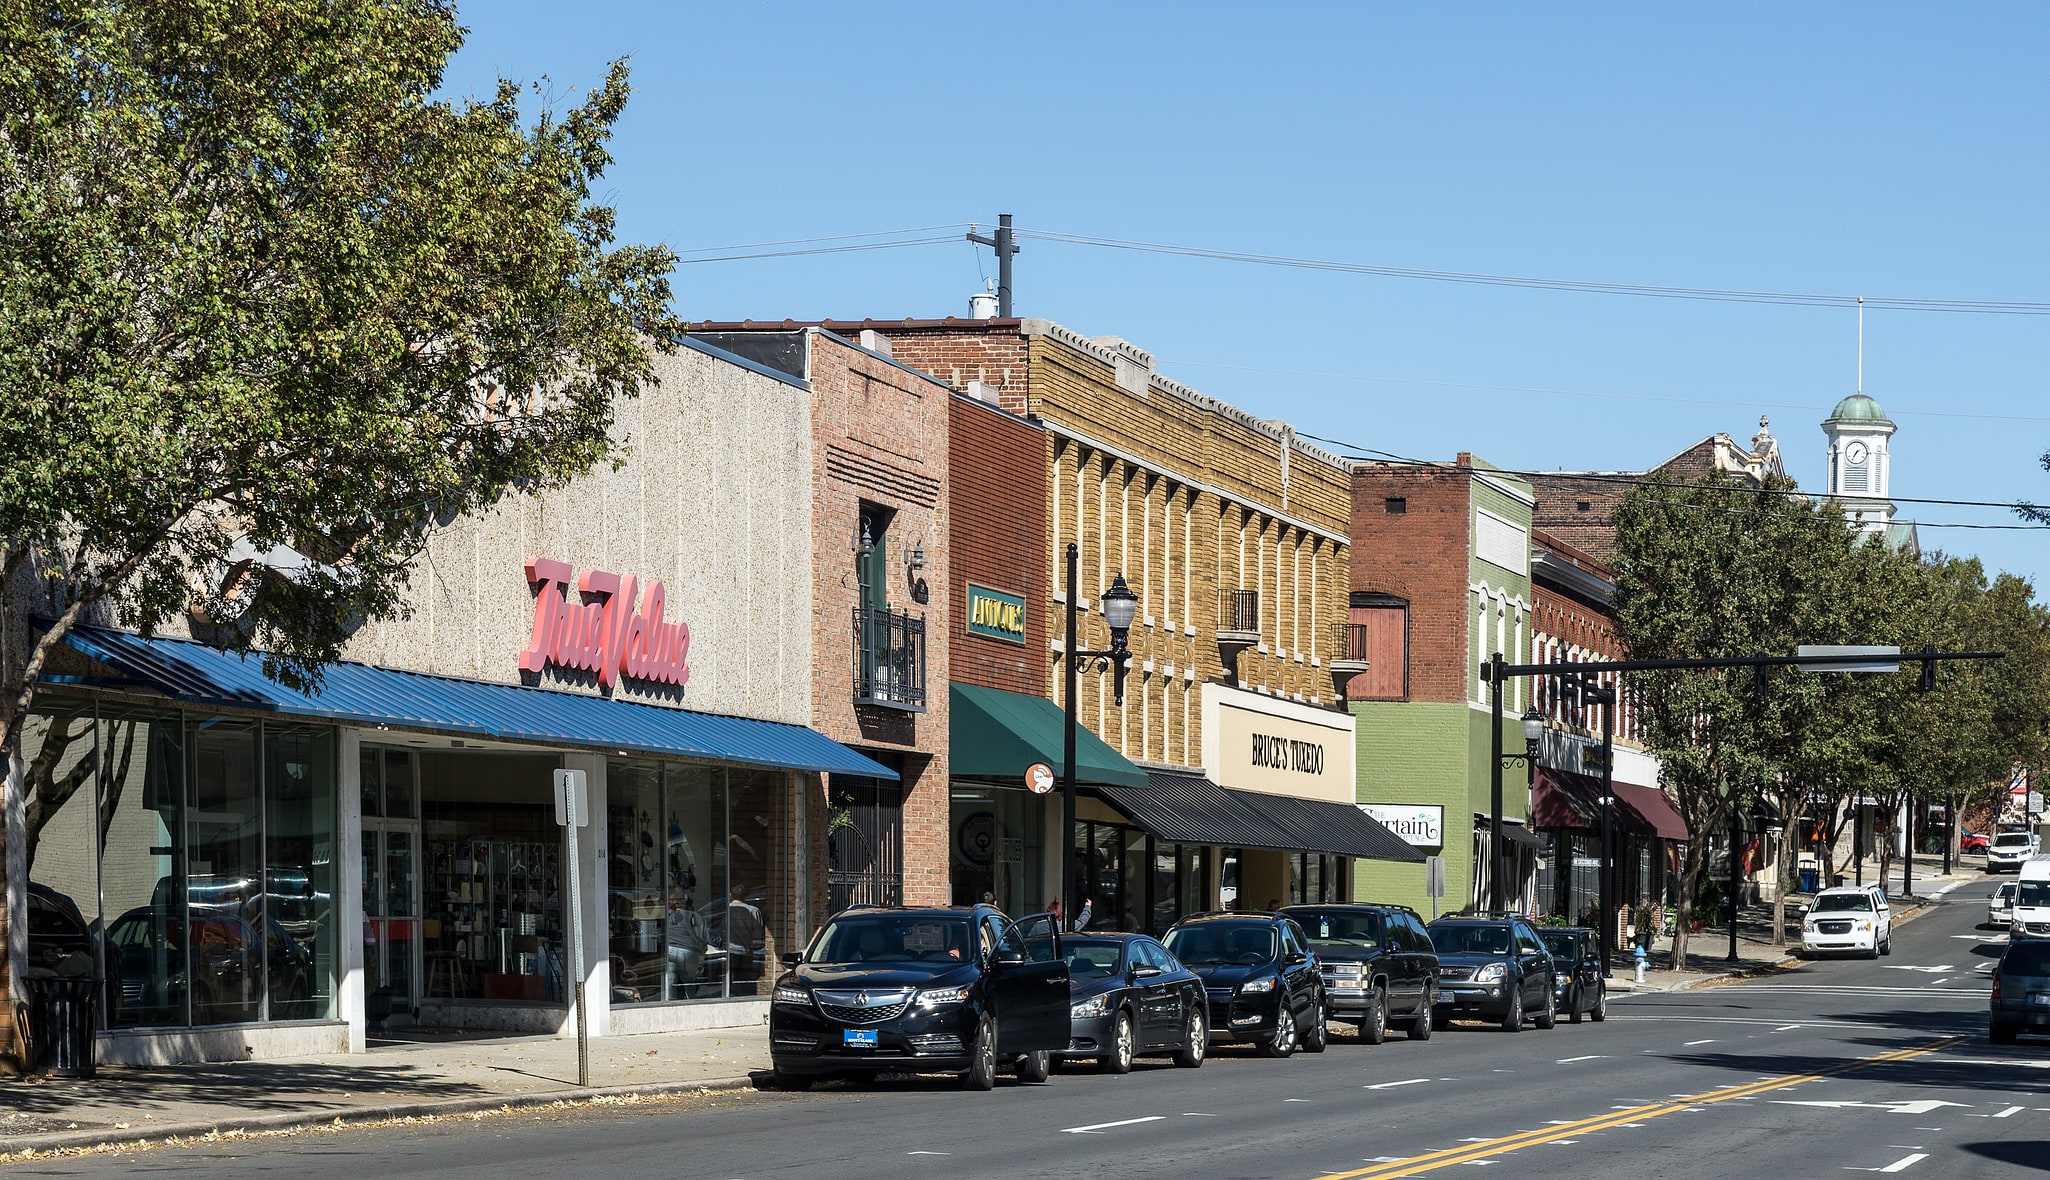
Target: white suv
column 2008, row 850
column 1849, row 918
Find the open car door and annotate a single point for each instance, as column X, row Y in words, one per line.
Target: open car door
column 1034, row 1011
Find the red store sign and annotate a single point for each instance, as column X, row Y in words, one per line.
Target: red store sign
column 606, row 636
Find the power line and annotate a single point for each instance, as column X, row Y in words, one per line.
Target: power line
column 819, row 250
column 881, row 233
column 1643, row 397
column 1641, row 290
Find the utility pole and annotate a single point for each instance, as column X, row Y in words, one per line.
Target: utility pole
column 1005, row 245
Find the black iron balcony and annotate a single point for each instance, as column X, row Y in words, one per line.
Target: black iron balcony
column 1238, row 612
column 1349, row 642
column 889, row 660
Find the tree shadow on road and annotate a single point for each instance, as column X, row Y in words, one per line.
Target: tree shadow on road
column 242, row 1087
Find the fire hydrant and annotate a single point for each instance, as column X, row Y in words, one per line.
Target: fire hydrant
column 1641, row 957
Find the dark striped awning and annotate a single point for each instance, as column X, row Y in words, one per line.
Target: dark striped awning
column 1189, row 809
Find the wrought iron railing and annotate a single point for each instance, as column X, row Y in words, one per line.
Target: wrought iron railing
column 889, row 659
column 844, row 889
column 1349, row 641
column 1238, row 610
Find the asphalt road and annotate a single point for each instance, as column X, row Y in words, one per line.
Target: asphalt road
column 1839, row 1066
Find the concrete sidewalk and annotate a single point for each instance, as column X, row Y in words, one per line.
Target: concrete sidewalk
column 390, row 1081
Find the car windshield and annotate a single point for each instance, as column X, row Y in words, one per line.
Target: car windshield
column 1829, row 902
column 2033, row 893
column 2005, row 892
column 1092, row 958
column 1471, row 940
column 1337, row 930
column 2011, row 840
column 895, row 938
column 1561, row 944
column 1212, row 943
column 2026, row 958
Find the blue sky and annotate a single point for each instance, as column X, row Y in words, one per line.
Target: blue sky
column 1888, row 150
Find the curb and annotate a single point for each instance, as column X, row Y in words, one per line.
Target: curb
column 301, row 1119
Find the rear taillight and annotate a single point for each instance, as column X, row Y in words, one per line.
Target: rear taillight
column 1996, row 985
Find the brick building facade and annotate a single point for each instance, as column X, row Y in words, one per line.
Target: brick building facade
column 1440, row 580
column 1230, row 529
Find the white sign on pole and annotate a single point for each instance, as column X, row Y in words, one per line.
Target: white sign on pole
column 1434, row 882
column 573, row 811
column 572, row 799
column 1851, row 649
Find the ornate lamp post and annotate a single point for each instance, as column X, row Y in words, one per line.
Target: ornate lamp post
column 1118, row 605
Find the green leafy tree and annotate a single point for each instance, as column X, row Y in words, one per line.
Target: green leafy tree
column 1728, row 568
column 270, row 311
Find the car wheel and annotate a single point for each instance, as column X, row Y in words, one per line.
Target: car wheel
column 1573, row 1003
column 1600, row 1011
column 1318, row 1035
column 1512, row 1020
column 1033, row 1068
column 1196, row 1041
column 1549, row 1016
column 796, row 1083
column 1281, row 1042
column 1420, row 1025
column 1374, row 1025
column 1886, row 947
column 1872, row 952
column 2001, row 1034
column 1119, row 1059
column 982, row 1073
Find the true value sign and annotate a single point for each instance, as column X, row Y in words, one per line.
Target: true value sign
column 604, row 633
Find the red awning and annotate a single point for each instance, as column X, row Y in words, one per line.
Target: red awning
column 1652, row 806
column 1565, row 799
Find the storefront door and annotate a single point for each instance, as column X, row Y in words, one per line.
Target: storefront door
column 391, row 917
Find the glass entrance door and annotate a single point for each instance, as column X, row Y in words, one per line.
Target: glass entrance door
column 391, row 919
column 392, row 929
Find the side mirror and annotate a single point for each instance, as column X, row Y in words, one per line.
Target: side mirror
column 1010, row 958
column 1295, row 957
column 1145, row 972
column 792, row 959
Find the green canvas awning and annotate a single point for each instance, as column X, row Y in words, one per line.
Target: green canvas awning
column 993, row 734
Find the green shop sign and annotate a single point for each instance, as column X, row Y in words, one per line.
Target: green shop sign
column 994, row 614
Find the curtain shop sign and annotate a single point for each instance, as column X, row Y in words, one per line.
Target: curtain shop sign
column 1422, row 826
column 599, row 630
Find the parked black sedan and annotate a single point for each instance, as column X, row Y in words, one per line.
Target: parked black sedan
column 1495, row 968
column 1578, row 988
column 885, row 989
column 1128, row 998
column 1262, row 982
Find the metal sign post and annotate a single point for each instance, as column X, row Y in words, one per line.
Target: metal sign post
column 1434, row 881
column 572, row 811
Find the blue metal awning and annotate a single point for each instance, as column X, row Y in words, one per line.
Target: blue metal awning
column 367, row 695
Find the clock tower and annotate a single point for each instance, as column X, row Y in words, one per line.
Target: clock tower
column 1858, row 464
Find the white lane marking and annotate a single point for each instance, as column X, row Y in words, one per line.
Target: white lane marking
column 1629, row 1124
column 1691, row 1044
column 1481, row 1163
column 1944, row 980
column 1564, row 1142
column 1295, row 1100
column 1589, row 1057
column 1923, row 970
column 1195, row 1114
column 1392, row 1085
column 1092, row 1128
column 1995, row 1061
column 1917, row 1106
column 1902, row 1165
column 1557, row 1122
column 928, row 1153
column 1786, row 1028
column 1477, row 1139
column 2012, row 1110
column 1384, row 1159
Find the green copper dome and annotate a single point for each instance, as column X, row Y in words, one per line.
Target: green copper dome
column 1857, row 408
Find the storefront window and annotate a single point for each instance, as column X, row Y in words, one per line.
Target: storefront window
column 299, row 808
column 706, row 879
column 1137, row 883
column 492, row 901
column 998, row 846
column 172, row 860
column 1317, row 878
column 142, row 780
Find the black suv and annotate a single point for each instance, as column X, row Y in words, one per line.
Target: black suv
column 1261, row 979
column 1495, row 968
column 1577, row 965
column 1378, row 964
column 922, row 991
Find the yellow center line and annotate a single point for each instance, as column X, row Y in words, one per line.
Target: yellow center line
column 1468, row 1152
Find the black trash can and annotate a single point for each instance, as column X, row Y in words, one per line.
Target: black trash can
column 63, row 1020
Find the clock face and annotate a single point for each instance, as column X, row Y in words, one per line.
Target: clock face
column 1855, row 452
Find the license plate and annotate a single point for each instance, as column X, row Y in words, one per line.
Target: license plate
column 859, row 1038
column 2040, row 999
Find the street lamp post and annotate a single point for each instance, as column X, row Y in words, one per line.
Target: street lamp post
column 1118, row 605
column 1533, row 733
